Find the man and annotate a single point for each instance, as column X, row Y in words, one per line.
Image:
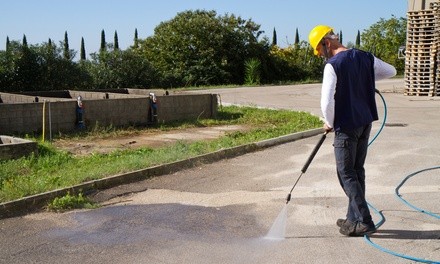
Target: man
column 349, row 107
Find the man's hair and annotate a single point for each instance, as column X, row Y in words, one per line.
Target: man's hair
column 331, row 35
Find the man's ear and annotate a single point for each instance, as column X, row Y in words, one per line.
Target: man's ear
column 326, row 43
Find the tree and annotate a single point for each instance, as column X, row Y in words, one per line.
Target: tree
column 121, row 69
column 384, row 38
column 296, row 37
column 358, row 40
column 340, row 36
column 294, row 63
column 103, row 43
column 25, row 44
column 116, row 42
column 66, row 51
column 7, row 43
column 57, row 72
column 19, row 67
column 200, row 48
column 51, row 66
column 6, row 62
column 83, row 51
column 136, row 40
column 24, row 67
column 274, row 37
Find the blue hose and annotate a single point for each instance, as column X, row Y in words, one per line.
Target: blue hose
column 385, row 114
column 381, row 216
column 407, row 203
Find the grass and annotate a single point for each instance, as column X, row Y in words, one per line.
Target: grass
column 68, row 202
column 53, row 169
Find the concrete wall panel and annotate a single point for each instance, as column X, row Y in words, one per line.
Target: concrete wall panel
column 17, row 117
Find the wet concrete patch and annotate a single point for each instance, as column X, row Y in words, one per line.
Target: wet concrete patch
column 121, row 225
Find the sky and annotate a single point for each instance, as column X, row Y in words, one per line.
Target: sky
column 40, row 20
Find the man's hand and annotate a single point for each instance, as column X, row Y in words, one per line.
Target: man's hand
column 327, row 128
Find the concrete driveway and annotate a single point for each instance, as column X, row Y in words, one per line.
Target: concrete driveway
column 221, row 212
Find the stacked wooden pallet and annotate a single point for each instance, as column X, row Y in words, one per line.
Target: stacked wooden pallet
column 421, row 53
column 435, row 6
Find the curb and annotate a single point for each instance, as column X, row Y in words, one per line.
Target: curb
column 37, row 202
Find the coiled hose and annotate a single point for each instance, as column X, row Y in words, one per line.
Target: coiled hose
column 381, row 216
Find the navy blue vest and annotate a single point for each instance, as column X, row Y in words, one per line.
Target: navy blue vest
column 355, row 104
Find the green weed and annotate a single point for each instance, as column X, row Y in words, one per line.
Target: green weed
column 69, row 202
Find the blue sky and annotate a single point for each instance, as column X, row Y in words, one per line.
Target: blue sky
column 40, row 20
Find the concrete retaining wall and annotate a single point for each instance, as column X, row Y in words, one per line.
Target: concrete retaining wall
column 24, row 115
column 181, row 107
column 12, row 147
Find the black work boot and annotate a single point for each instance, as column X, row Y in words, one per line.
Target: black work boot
column 357, row 229
column 341, row 222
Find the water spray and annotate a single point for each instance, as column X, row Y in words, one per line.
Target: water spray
column 278, row 229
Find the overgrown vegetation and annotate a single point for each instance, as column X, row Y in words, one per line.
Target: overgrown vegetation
column 53, row 169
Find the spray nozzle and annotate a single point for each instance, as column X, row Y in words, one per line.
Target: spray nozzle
column 288, row 198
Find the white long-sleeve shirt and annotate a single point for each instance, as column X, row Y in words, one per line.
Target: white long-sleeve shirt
column 382, row 70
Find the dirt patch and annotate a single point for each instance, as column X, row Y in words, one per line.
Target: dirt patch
column 145, row 138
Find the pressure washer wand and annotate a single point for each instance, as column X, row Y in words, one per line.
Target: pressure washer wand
column 309, row 160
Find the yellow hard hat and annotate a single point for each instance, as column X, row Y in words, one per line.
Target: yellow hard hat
column 316, row 35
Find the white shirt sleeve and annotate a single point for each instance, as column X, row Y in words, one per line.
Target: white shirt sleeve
column 383, row 70
column 328, row 94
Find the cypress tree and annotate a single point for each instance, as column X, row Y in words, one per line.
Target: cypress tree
column 49, row 43
column 135, row 38
column 274, row 37
column 103, row 44
column 358, row 39
column 116, row 47
column 296, row 37
column 66, row 52
column 83, row 50
column 340, row 36
column 8, row 52
column 8, row 43
column 25, row 44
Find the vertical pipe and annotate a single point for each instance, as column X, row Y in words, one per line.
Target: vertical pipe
column 50, row 124
column 44, row 118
